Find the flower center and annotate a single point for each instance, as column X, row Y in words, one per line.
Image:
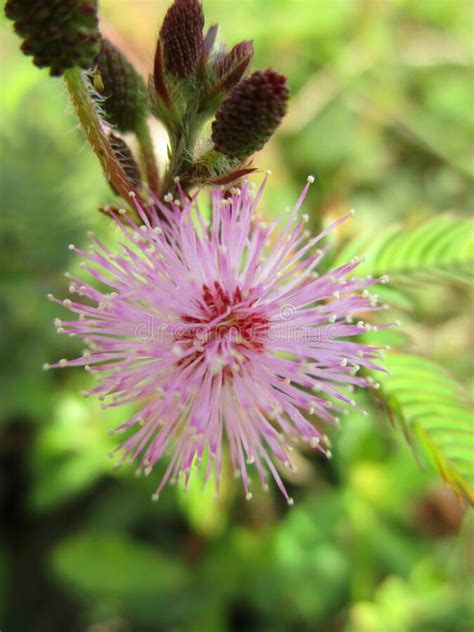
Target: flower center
column 227, row 325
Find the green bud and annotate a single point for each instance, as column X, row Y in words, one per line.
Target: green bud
column 123, row 89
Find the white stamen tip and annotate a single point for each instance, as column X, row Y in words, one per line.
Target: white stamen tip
column 132, row 194
column 352, row 212
column 62, row 362
column 269, row 172
column 290, row 501
column 177, row 351
column 71, row 247
column 46, row 366
column 248, row 496
column 310, row 179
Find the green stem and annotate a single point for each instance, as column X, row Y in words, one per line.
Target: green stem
column 148, row 155
column 182, row 151
column 96, row 136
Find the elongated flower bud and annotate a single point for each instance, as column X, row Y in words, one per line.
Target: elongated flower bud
column 181, row 37
column 230, row 69
column 250, row 114
column 125, row 157
column 59, row 34
column 123, row 88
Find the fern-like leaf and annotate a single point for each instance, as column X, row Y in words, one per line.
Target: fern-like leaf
column 440, row 247
column 433, row 408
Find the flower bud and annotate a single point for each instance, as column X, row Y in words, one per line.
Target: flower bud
column 230, row 69
column 250, row 114
column 59, row 34
column 123, row 88
column 181, row 37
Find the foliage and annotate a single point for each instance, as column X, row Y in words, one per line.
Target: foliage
column 441, row 248
column 433, row 408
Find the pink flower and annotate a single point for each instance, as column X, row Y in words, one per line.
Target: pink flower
column 221, row 332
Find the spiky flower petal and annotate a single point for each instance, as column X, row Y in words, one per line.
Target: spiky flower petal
column 221, row 332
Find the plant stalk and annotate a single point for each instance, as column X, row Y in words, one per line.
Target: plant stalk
column 148, row 155
column 96, row 136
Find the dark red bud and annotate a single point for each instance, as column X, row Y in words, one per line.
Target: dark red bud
column 59, row 34
column 250, row 114
column 181, row 37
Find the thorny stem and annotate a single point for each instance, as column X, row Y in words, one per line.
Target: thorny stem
column 96, row 136
column 148, row 156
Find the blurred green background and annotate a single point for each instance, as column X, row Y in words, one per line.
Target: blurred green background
column 382, row 114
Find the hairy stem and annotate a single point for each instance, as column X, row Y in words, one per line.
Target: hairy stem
column 182, row 152
column 96, row 136
column 148, row 155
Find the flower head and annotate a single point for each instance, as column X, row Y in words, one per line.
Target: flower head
column 221, row 331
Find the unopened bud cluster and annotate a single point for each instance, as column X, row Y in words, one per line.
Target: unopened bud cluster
column 193, row 81
column 59, row 34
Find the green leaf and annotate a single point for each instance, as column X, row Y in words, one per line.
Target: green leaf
column 125, row 575
column 439, row 247
column 434, row 408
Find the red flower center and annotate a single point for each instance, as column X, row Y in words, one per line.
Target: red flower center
column 226, row 321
